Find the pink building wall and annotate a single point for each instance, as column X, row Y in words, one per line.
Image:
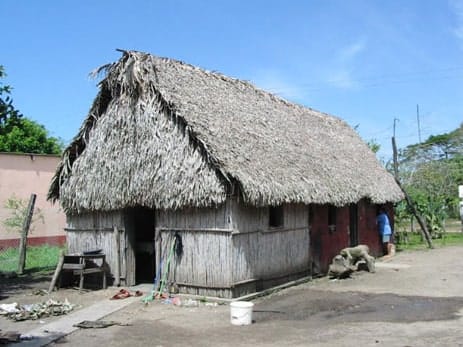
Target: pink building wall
column 20, row 176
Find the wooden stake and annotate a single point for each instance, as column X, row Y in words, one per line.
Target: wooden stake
column 24, row 232
column 57, row 272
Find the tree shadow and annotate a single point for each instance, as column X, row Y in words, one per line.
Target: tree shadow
column 32, row 279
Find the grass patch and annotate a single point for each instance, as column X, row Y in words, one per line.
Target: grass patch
column 38, row 258
column 415, row 241
column 9, row 259
column 453, row 235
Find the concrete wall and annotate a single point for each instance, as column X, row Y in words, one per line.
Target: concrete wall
column 21, row 175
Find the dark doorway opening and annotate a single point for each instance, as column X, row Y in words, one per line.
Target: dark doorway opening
column 276, row 216
column 145, row 260
column 353, row 225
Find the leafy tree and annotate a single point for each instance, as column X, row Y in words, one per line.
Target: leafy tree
column 26, row 136
column 7, row 110
column 431, row 172
column 436, row 147
column 20, row 134
column 374, row 145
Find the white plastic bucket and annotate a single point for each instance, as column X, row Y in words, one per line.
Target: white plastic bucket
column 241, row 312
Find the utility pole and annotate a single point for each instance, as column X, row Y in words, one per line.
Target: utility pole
column 394, row 149
column 395, row 121
column 418, row 120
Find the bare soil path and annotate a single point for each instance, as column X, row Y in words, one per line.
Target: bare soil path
column 414, row 299
column 32, row 289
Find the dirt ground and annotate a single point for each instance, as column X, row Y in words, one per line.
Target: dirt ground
column 31, row 288
column 414, row 299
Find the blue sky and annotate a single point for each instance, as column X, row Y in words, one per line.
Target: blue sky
column 366, row 62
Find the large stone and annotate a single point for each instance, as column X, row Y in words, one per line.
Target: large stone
column 348, row 261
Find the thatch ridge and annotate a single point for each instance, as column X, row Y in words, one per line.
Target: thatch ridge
column 274, row 151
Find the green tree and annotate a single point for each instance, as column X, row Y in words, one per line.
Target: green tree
column 7, row 110
column 374, row 145
column 19, row 134
column 436, row 147
column 27, row 136
column 431, row 172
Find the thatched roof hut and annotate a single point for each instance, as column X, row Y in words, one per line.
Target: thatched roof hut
column 165, row 134
column 248, row 181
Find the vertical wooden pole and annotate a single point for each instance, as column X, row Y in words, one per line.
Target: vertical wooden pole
column 57, row 272
column 24, row 232
column 424, row 229
column 117, row 254
column 157, row 251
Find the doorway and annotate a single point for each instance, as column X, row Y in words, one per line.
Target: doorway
column 353, row 225
column 145, row 260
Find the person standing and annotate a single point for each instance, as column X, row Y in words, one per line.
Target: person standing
column 385, row 230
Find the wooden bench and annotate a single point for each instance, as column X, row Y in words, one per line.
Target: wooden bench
column 84, row 264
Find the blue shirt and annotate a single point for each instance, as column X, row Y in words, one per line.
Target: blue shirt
column 384, row 227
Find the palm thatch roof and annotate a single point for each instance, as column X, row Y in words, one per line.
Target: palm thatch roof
column 165, row 134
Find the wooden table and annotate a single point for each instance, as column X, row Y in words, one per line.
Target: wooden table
column 83, row 264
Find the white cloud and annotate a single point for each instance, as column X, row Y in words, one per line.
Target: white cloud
column 276, row 83
column 336, row 72
column 342, row 79
column 341, row 75
column 350, row 52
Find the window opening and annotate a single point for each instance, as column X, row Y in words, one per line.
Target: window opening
column 276, row 214
column 332, row 217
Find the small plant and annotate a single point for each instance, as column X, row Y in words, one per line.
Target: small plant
column 18, row 208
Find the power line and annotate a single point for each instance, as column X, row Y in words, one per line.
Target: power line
column 381, row 80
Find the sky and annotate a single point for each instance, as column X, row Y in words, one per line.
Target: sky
column 369, row 62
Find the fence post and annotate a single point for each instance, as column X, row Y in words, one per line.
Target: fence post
column 24, row 232
column 57, row 272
